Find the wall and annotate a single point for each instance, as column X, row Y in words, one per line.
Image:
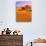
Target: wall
column 37, row 28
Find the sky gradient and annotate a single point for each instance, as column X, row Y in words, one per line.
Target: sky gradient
column 21, row 3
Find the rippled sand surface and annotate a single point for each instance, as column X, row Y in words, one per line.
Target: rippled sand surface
column 24, row 14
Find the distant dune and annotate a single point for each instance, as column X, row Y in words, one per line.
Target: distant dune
column 24, row 13
column 39, row 40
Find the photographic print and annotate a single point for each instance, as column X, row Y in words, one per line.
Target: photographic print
column 23, row 11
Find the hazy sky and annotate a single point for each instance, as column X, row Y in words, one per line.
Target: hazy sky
column 21, row 3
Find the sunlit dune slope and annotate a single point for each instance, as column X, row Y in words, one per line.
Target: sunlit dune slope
column 24, row 14
column 39, row 40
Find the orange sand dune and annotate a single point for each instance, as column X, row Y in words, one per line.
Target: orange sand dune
column 23, row 14
column 39, row 40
